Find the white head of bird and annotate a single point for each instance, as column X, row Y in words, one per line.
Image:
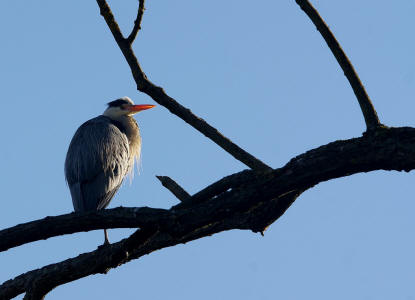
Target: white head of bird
column 124, row 107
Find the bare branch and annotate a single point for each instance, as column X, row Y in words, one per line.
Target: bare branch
column 157, row 93
column 105, row 11
column 137, row 22
column 253, row 206
column 96, row 262
column 368, row 110
column 389, row 149
column 173, row 187
column 221, row 186
column 120, row 217
column 34, row 294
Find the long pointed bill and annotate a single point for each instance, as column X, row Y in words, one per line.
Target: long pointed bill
column 139, row 107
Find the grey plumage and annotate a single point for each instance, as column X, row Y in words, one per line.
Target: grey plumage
column 96, row 163
column 101, row 153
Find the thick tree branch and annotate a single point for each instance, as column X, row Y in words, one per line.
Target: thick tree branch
column 137, row 22
column 173, row 187
column 98, row 261
column 81, row 221
column 255, row 205
column 368, row 110
column 388, row 149
column 157, row 93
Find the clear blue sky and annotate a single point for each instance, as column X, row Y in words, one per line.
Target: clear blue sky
column 261, row 74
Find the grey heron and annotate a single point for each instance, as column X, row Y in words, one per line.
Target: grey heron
column 102, row 152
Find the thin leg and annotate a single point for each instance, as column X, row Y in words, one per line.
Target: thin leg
column 106, row 242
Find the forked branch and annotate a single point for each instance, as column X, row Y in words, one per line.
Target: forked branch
column 158, row 94
column 368, row 110
column 137, row 22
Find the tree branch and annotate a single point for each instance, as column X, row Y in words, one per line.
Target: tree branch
column 368, row 110
column 137, row 22
column 173, row 187
column 157, row 94
column 221, row 186
column 120, row 217
column 34, row 294
column 254, row 206
column 95, row 262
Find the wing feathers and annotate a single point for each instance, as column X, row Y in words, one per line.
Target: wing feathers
column 96, row 163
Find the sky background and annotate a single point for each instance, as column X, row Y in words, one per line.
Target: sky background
column 262, row 75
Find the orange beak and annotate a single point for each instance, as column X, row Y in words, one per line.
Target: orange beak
column 140, row 107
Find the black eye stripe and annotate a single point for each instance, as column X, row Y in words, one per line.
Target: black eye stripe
column 117, row 103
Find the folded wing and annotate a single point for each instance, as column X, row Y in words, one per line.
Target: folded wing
column 96, row 163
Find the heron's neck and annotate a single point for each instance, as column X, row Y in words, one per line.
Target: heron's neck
column 129, row 127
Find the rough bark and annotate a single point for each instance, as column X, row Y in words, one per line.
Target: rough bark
column 251, row 201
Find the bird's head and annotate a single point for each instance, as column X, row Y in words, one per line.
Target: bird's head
column 124, row 107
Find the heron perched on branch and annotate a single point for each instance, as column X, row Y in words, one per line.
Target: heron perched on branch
column 102, row 152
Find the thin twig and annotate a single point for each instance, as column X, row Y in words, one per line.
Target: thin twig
column 137, row 22
column 158, row 94
column 368, row 110
column 173, row 187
